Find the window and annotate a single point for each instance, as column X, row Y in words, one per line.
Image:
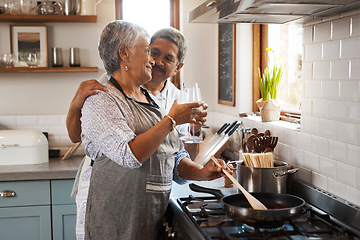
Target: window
column 286, row 41
column 151, row 15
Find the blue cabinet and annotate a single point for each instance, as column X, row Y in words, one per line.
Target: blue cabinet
column 25, row 210
column 37, row 210
column 63, row 210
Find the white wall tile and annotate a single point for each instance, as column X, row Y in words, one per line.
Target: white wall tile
column 346, row 174
column 308, row 35
column 296, row 156
column 319, row 180
column 353, row 195
column 27, row 120
column 306, row 105
column 355, row 24
column 305, row 141
column 354, row 112
column 290, row 138
column 51, row 120
column 307, row 71
column 358, row 177
column 320, row 146
column 330, row 89
column 328, row 167
column 340, row 70
column 283, row 151
column 341, row 28
column 348, row 132
column 337, row 150
column 355, row 69
column 310, row 125
column 331, row 50
column 320, row 107
column 7, row 122
column 313, row 52
column 338, row 110
column 312, row 161
column 349, row 91
column 322, row 32
column 321, row 70
column 328, row 129
column 350, row 48
column 336, row 188
column 353, row 156
column 312, row 88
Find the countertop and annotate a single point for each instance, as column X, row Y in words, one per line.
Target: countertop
column 66, row 169
column 54, row 169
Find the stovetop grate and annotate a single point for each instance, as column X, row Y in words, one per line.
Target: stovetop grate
column 209, row 217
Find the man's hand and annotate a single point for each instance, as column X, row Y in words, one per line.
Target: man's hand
column 86, row 88
column 73, row 123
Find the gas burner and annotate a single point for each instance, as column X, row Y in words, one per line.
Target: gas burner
column 251, row 229
column 213, row 206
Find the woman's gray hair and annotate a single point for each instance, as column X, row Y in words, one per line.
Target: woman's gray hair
column 174, row 36
column 114, row 35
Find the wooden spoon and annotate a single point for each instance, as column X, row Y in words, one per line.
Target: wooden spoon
column 255, row 204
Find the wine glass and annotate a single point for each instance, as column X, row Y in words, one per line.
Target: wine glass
column 188, row 95
column 8, row 60
column 32, row 60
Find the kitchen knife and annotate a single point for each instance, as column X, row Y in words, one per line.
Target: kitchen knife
column 223, row 140
column 208, row 149
column 219, row 132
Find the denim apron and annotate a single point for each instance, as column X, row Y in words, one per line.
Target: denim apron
column 126, row 203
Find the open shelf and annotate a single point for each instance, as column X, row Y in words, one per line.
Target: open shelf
column 48, row 70
column 48, row 18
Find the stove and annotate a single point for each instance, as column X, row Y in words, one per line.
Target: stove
column 323, row 217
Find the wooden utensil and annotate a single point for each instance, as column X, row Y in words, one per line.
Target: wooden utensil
column 250, row 143
column 256, row 204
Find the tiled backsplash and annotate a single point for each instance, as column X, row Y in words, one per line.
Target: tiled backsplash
column 55, row 125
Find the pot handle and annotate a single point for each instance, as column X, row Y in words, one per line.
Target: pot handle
column 196, row 188
column 282, row 174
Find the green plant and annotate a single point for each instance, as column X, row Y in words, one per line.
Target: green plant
column 270, row 79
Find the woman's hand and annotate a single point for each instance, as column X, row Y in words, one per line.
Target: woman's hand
column 194, row 112
column 193, row 171
column 210, row 171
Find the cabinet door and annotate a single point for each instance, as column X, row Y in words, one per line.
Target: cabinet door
column 25, row 223
column 64, row 220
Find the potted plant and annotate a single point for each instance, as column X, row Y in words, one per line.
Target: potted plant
column 269, row 87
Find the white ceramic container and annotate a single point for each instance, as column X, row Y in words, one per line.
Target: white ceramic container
column 23, row 147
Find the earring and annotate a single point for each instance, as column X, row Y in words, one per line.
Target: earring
column 126, row 68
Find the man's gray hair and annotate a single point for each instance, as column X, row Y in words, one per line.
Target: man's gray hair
column 174, row 36
column 114, row 35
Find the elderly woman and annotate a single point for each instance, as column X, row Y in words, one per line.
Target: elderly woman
column 136, row 148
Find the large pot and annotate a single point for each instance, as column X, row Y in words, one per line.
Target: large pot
column 271, row 180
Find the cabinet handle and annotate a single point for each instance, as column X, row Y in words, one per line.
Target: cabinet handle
column 7, row 193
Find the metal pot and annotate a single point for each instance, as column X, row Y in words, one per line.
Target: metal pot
column 271, row 180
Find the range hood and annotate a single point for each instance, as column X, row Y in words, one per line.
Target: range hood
column 268, row 11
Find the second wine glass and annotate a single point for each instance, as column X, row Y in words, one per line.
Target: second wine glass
column 188, row 95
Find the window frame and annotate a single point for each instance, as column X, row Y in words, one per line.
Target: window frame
column 174, row 22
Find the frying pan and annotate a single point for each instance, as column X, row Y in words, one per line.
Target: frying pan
column 281, row 207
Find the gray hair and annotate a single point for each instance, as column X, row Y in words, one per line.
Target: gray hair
column 174, row 36
column 114, row 35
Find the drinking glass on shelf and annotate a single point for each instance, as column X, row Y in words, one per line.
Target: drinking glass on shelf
column 8, row 60
column 188, row 95
column 32, row 60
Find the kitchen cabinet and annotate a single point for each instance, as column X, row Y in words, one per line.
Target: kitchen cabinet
column 37, row 210
column 44, row 19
